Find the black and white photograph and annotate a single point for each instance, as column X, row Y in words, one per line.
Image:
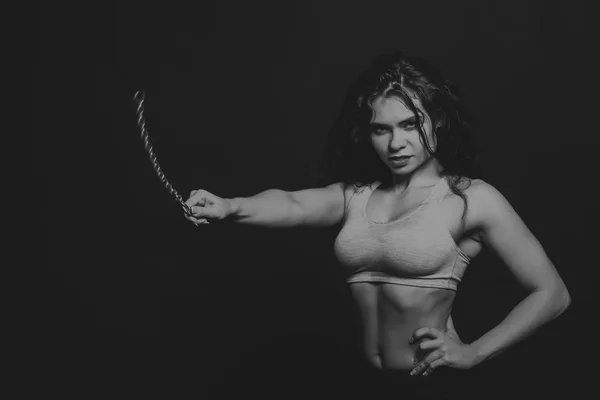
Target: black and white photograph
column 311, row 199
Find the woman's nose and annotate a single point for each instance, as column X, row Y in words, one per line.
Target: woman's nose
column 398, row 139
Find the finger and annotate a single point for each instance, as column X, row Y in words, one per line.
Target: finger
column 196, row 211
column 197, row 206
column 434, row 365
column 192, row 213
column 192, row 193
column 431, row 344
column 195, row 220
column 197, row 198
column 198, row 222
column 425, row 332
column 199, row 211
column 423, row 365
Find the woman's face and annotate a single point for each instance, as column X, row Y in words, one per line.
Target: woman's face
column 394, row 133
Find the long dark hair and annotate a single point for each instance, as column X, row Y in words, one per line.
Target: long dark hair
column 349, row 157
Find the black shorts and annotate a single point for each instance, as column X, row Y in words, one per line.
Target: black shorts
column 443, row 383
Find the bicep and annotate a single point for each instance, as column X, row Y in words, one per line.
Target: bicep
column 321, row 206
column 503, row 230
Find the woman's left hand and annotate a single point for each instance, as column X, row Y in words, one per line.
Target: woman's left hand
column 443, row 349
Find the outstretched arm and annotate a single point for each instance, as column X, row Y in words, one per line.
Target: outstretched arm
column 319, row 207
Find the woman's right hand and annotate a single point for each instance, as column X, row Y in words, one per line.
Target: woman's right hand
column 207, row 207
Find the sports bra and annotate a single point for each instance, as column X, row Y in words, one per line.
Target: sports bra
column 414, row 250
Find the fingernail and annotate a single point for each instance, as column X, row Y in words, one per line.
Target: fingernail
column 413, row 372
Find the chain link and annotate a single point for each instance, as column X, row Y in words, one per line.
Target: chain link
column 138, row 98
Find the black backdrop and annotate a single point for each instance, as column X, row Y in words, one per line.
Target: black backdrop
column 239, row 99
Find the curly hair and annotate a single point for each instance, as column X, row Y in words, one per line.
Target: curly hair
column 348, row 155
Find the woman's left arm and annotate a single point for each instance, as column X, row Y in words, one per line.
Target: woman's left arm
column 504, row 231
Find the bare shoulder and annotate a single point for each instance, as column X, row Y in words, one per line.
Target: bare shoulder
column 346, row 188
column 487, row 203
column 483, row 193
column 350, row 190
column 474, row 186
column 357, row 187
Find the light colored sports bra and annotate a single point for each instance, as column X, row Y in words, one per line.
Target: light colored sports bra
column 414, row 250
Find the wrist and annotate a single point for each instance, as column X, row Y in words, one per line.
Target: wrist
column 234, row 207
column 475, row 355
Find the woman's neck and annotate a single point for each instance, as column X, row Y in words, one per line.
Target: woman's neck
column 426, row 175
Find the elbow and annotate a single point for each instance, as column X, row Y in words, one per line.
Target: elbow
column 556, row 298
column 566, row 302
column 564, row 297
column 561, row 298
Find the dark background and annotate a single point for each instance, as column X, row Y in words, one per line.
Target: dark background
column 239, row 97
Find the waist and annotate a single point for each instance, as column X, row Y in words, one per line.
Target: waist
column 391, row 314
column 395, row 354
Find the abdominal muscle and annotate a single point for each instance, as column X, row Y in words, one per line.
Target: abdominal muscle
column 391, row 313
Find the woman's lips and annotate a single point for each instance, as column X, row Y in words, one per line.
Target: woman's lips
column 401, row 158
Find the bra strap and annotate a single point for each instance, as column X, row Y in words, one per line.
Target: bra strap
column 440, row 190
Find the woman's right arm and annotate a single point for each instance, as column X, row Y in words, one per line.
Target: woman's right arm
column 320, row 207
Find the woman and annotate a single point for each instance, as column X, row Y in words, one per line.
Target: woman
column 412, row 216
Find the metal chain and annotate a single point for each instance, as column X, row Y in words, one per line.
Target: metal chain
column 138, row 98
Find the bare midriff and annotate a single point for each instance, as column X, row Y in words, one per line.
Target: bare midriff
column 391, row 313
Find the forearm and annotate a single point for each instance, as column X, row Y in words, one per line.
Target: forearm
column 271, row 208
column 535, row 310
